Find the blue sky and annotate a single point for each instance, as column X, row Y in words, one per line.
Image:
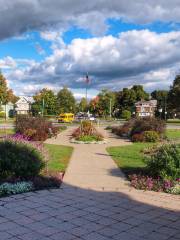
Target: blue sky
column 118, row 44
column 26, row 46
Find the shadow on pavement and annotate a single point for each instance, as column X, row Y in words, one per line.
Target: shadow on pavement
column 76, row 213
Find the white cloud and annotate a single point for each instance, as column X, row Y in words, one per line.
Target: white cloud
column 135, row 57
column 7, row 63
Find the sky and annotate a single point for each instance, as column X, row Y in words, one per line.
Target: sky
column 120, row 43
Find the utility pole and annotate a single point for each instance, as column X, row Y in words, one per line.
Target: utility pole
column 43, row 107
column 110, row 107
column 87, row 82
column 165, row 108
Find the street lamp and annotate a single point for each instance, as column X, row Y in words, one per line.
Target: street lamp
column 160, row 111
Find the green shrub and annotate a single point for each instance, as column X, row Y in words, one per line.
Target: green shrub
column 126, row 114
column 19, row 159
column 151, row 136
column 164, row 161
column 2, row 115
column 19, row 187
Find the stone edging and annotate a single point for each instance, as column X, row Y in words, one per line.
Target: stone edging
column 73, row 140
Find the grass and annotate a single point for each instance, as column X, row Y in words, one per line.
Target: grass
column 2, row 120
column 129, row 158
column 59, row 157
column 173, row 134
column 175, row 121
column 8, row 131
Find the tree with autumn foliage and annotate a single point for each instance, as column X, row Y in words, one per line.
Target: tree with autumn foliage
column 6, row 95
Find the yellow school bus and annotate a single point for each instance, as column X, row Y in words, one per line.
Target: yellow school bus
column 66, row 117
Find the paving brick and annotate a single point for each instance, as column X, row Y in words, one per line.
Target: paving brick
column 93, row 236
column 5, row 235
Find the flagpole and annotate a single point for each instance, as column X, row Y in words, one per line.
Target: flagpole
column 87, row 81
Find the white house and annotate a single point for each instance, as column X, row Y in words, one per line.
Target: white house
column 23, row 105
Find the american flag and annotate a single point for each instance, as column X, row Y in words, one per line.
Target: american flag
column 87, row 80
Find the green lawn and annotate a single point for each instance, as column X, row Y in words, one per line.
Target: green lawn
column 173, row 134
column 129, row 158
column 175, row 121
column 3, row 121
column 59, row 157
column 6, row 131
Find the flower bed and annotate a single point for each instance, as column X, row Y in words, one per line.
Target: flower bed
column 87, row 133
column 155, row 184
column 147, row 129
column 150, row 166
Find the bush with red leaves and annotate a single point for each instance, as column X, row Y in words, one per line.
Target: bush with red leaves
column 35, row 128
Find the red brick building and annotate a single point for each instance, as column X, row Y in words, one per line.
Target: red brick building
column 146, row 108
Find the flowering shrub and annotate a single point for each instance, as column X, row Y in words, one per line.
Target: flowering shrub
column 154, row 184
column 164, row 161
column 19, row 187
column 87, row 131
column 36, row 128
column 21, row 158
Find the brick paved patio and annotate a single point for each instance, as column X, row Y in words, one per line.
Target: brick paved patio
column 72, row 213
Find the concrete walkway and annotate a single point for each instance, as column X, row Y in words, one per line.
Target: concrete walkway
column 91, row 167
column 94, row 203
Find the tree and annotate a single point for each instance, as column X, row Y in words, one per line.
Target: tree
column 93, row 105
column 126, row 114
column 174, row 96
column 65, row 101
column 45, row 100
column 126, row 98
column 82, row 106
column 6, row 95
column 140, row 93
column 106, row 101
column 3, row 90
column 161, row 97
column 11, row 97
